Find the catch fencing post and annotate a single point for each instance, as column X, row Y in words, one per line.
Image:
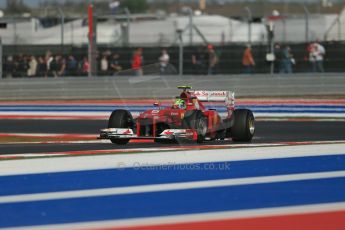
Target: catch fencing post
column 306, row 14
column 339, row 28
column 62, row 21
column 1, row 58
column 250, row 18
column 190, row 26
column 92, row 42
column 126, row 37
column 179, row 32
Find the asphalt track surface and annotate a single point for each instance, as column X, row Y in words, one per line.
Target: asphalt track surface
column 266, row 132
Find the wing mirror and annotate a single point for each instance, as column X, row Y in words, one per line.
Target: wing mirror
column 157, row 104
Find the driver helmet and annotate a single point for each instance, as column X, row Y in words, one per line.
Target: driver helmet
column 179, row 103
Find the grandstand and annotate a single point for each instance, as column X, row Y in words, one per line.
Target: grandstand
column 215, row 29
column 292, row 28
column 337, row 32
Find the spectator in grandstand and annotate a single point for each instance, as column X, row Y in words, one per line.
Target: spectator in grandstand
column 198, row 60
column 114, row 5
column 22, row 66
column 137, row 61
column 248, row 60
column 312, row 56
column 316, row 56
column 41, row 67
column 9, row 67
column 71, row 66
column 277, row 58
column 212, row 59
column 32, row 70
column 164, row 62
column 85, row 66
column 320, row 52
column 114, row 65
column 61, row 65
column 52, row 66
column 286, row 60
column 104, row 65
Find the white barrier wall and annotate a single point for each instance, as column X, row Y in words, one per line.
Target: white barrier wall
column 165, row 86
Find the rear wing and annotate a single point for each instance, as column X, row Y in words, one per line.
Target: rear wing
column 216, row 96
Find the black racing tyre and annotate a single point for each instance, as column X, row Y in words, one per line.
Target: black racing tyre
column 120, row 119
column 195, row 119
column 243, row 128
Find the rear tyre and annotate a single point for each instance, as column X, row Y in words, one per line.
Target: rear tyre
column 120, row 119
column 195, row 119
column 243, row 128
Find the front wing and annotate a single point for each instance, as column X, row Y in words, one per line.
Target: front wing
column 168, row 134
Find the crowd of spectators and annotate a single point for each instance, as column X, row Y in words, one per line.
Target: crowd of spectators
column 204, row 60
column 315, row 56
column 48, row 65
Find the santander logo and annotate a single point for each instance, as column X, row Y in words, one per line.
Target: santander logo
column 210, row 93
column 168, row 132
column 128, row 131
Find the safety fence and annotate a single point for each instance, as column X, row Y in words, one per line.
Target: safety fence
column 16, row 58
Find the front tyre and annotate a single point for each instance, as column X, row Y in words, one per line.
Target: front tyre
column 120, row 119
column 195, row 119
column 243, row 128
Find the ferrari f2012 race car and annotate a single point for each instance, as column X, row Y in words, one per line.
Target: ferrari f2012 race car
column 186, row 119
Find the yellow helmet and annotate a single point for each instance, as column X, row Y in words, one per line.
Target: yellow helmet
column 179, row 103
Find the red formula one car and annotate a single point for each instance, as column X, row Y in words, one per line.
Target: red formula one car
column 186, row 119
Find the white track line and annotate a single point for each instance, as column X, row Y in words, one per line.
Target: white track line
column 95, row 162
column 48, row 135
column 56, row 142
column 29, row 155
column 168, row 187
column 141, row 150
column 190, row 218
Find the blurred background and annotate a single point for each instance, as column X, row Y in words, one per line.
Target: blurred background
column 192, row 32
